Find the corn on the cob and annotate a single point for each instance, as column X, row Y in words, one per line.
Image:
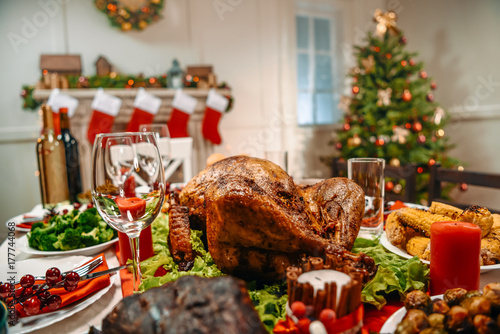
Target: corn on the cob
column 419, row 246
column 496, row 221
column 397, row 233
column 478, row 215
column 418, row 219
column 445, row 210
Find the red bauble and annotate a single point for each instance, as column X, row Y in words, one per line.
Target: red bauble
column 421, row 139
column 417, row 127
column 354, row 79
column 379, row 142
column 355, row 90
column 423, row 74
column 346, row 127
column 389, row 186
column 23, row 93
column 406, row 95
column 463, row 187
column 430, row 97
column 338, row 146
column 403, row 40
column 412, row 62
column 433, row 85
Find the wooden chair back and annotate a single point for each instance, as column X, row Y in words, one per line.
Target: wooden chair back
column 439, row 174
column 407, row 173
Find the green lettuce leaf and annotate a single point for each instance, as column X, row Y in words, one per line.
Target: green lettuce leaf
column 394, row 273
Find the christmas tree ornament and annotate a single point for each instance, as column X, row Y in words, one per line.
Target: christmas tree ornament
column 431, row 162
column 421, row 139
column 406, row 95
column 356, row 140
column 355, row 90
column 440, row 133
column 460, row 168
column 433, row 85
column 434, row 139
column 344, row 103
column 355, row 79
column 146, row 106
column 373, row 139
column 379, row 142
column 183, row 107
column 463, row 187
column 105, row 107
column 412, row 62
column 430, row 97
column 385, row 21
column 417, row 127
column 338, row 146
column 423, row 74
column 389, row 186
column 403, row 40
column 420, row 170
column 438, row 115
column 404, row 63
column 346, row 127
column 408, row 126
column 400, row 135
column 215, row 106
column 355, row 71
column 368, row 63
column 398, row 188
column 384, row 97
column 394, row 162
column 425, row 118
column 388, row 55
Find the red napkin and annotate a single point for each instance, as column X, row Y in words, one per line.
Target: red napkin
column 28, row 224
column 84, row 288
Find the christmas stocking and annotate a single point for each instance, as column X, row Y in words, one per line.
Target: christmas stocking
column 57, row 101
column 216, row 106
column 183, row 106
column 146, row 106
column 105, row 107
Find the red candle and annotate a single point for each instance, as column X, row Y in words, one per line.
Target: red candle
column 131, row 208
column 145, row 244
column 455, row 254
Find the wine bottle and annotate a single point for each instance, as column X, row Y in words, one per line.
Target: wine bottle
column 51, row 163
column 72, row 157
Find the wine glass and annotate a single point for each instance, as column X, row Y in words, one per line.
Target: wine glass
column 115, row 159
column 163, row 138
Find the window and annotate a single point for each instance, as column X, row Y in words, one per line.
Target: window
column 317, row 75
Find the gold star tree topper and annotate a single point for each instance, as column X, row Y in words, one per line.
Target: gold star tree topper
column 385, row 21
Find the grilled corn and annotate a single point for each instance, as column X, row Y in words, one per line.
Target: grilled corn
column 420, row 220
column 478, row 215
column 419, row 246
column 445, row 210
column 398, row 234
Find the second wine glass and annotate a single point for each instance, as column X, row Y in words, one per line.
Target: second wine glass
column 116, row 158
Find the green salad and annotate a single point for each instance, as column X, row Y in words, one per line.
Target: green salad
column 72, row 230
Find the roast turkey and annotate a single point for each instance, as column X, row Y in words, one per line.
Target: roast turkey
column 258, row 221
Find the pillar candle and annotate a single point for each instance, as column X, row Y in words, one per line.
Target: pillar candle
column 455, row 255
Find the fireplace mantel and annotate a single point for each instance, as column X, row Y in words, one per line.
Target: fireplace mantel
column 79, row 122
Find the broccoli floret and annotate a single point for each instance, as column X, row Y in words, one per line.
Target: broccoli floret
column 105, row 235
column 88, row 220
column 91, row 238
column 70, row 239
column 62, row 223
column 47, row 242
column 40, row 224
column 38, row 231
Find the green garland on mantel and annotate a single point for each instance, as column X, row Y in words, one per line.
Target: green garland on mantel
column 117, row 81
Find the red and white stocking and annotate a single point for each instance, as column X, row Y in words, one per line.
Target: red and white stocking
column 146, row 106
column 105, row 107
column 56, row 101
column 183, row 106
column 216, row 105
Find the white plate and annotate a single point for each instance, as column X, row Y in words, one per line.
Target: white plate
column 391, row 324
column 38, row 266
column 23, row 246
column 393, row 249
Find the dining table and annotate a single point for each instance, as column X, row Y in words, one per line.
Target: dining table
column 93, row 315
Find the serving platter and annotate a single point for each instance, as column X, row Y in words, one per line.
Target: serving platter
column 391, row 324
column 38, row 266
column 22, row 245
column 384, row 241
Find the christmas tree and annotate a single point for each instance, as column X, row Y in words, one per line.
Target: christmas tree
column 391, row 113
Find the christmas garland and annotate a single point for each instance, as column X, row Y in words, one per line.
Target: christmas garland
column 127, row 19
column 112, row 81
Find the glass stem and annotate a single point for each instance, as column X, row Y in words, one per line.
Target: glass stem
column 134, row 247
